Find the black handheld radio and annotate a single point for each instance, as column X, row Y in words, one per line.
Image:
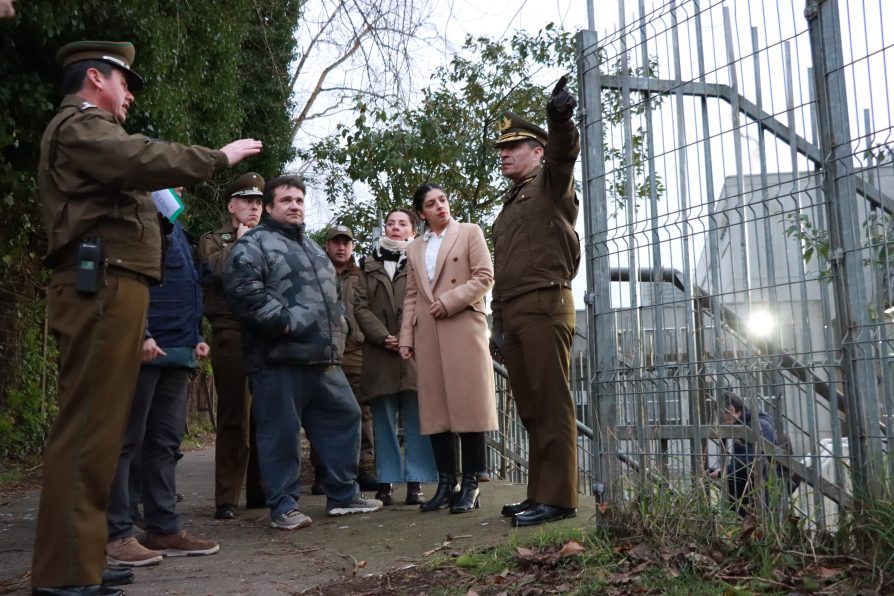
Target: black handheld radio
column 89, row 266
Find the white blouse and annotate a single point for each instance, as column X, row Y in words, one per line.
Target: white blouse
column 433, row 245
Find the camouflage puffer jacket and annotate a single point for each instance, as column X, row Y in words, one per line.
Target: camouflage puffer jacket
column 275, row 279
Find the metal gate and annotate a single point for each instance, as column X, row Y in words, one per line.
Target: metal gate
column 738, row 184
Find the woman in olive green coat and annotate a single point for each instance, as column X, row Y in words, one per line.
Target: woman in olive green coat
column 388, row 381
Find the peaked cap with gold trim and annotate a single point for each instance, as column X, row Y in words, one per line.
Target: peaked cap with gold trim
column 119, row 54
column 246, row 186
column 515, row 128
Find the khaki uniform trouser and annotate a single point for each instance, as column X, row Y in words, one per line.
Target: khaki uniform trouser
column 538, row 328
column 233, row 453
column 351, row 363
column 100, row 338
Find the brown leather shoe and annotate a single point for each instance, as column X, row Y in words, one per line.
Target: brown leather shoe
column 181, row 544
column 127, row 552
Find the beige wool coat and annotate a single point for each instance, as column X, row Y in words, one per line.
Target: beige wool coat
column 454, row 370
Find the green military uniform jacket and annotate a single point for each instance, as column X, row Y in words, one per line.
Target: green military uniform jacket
column 94, row 180
column 214, row 248
column 535, row 244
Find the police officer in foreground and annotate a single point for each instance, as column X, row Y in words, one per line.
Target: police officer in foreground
column 104, row 249
column 536, row 255
column 235, row 453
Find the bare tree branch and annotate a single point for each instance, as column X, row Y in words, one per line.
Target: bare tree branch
column 368, row 44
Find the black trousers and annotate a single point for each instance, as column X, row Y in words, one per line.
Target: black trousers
column 471, row 445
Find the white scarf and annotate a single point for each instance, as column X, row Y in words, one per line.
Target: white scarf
column 395, row 247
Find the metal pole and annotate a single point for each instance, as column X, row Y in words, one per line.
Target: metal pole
column 801, row 272
column 601, row 340
column 659, row 356
column 699, row 359
column 737, row 146
column 839, row 186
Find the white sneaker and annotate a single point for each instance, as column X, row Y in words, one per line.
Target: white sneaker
column 291, row 520
column 359, row 505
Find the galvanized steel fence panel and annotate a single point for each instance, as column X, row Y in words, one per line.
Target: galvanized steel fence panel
column 738, row 186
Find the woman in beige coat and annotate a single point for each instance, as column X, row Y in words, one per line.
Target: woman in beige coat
column 444, row 326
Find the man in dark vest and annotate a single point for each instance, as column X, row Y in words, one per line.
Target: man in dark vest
column 235, row 454
column 104, row 249
column 536, row 255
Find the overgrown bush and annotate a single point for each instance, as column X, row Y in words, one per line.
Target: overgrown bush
column 29, row 406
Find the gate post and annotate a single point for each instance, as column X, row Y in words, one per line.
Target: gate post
column 602, row 350
column 859, row 356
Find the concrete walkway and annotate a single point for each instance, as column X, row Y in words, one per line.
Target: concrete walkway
column 257, row 559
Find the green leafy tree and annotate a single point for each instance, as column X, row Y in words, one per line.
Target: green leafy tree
column 447, row 136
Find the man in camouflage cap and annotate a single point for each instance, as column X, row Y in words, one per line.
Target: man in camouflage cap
column 235, row 453
column 536, row 255
column 104, row 244
column 285, row 289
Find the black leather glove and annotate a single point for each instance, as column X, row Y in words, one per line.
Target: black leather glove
column 561, row 105
column 496, row 340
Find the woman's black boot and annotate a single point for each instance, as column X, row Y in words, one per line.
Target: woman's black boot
column 443, row 494
column 468, row 494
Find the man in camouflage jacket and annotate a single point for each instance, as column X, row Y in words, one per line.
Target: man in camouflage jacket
column 285, row 290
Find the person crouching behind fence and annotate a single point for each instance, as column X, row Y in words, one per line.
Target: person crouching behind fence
column 745, row 458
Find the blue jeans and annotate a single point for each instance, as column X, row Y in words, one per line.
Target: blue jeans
column 417, row 462
column 154, row 432
column 319, row 398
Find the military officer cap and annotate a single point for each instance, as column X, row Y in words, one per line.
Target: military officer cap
column 514, row 128
column 336, row 231
column 246, row 186
column 119, row 54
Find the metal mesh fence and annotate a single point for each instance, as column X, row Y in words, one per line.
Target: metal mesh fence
column 738, row 182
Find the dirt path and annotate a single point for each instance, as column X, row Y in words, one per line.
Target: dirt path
column 256, row 559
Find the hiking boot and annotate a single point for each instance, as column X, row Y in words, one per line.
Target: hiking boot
column 225, row 511
column 367, row 480
column 181, row 544
column 384, row 493
column 128, row 552
column 359, row 505
column 291, row 520
column 317, row 488
column 414, row 494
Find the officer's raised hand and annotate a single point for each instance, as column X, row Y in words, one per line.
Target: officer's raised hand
column 561, row 104
column 239, row 150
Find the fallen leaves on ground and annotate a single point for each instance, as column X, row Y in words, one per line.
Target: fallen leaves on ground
column 626, row 568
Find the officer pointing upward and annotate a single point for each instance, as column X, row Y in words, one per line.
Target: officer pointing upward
column 536, row 255
column 104, row 248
